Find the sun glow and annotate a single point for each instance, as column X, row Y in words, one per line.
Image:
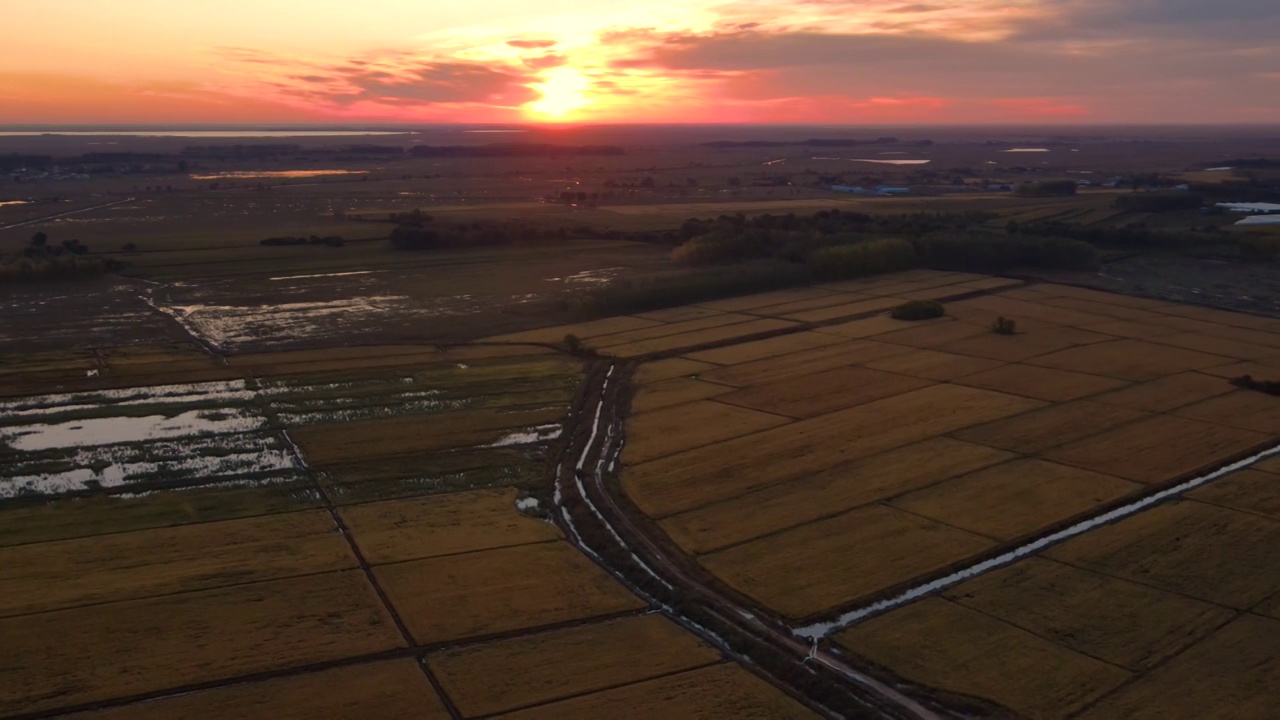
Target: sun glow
column 564, row 90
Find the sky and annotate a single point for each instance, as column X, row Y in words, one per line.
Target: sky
column 665, row 61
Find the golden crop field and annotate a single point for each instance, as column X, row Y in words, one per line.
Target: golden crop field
column 501, row 590
column 804, row 362
column 398, row 530
column 139, row 646
column 519, row 672
column 68, row 573
column 717, row 691
column 815, row 567
column 824, row 392
column 388, row 689
column 676, row 391
column 664, row 432
column 698, row 337
column 1133, row 360
column 1255, row 490
column 1037, row 431
column 1041, row 383
column 1015, row 499
column 822, row 494
column 1168, row 393
column 940, row 644
column 704, row 475
column 1128, row 624
column 761, row 349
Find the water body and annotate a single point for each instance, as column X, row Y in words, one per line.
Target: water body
column 1027, row 150
column 893, row 162
column 251, row 174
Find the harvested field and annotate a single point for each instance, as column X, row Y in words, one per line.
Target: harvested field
column 816, row 303
column 932, row 334
column 826, row 493
column 841, row 560
column 1039, row 430
column 1167, row 393
column 1159, row 449
column 1267, row 369
column 835, row 312
column 390, row 689
column 761, row 349
column 1217, row 346
column 1015, row 499
column 820, row 393
column 933, row 365
column 1253, row 491
column 1206, row 552
column 1132, row 360
column 399, row 530
column 1041, row 383
column 1025, row 345
column 1123, row 623
column 804, row 362
column 670, row 368
column 387, row 437
column 1047, row 313
column 678, row 314
column 706, row 475
column 1245, row 409
column 676, row 391
column 137, row 646
column 868, row 327
column 529, row 670
column 1131, row 329
column 604, row 342
column 434, row 473
column 470, row 353
column 717, row 691
column 1230, row 676
column 68, row 573
column 940, row 644
column 674, row 429
column 697, row 338
column 497, row 591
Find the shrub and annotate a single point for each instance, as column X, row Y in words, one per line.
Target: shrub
column 1048, row 188
column 870, row 257
column 999, row 253
column 1270, row 387
column 1004, row 326
column 919, row 310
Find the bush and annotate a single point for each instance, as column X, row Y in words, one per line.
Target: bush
column 918, row 310
column 1270, row 387
column 1004, row 326
column 1048, row 188
column 870, row 257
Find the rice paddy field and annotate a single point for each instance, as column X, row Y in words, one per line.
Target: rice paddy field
column 346, row 532
column 841, row 457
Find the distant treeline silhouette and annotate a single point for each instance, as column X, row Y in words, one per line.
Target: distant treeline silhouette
column 812, row 142
column 510, row 150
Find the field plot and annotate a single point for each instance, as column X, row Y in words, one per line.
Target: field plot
column 531, row 670
column 1232, row 675
column 718, row 691
column 391, row 689
column 827, row 563
column 55, row 575
column 829, row 492
column 1124, row 623
column 449, row 524
column 820, row 393
column 1133, row 360
column 1041, row 383
column 498, row 591
column 146, row 645
column 1015, row 498
column 804, row 362
column 676, row 391
column 760, row 349
column 670, row 430
column 717, row 472
column 940, row 644
column 1039, row 430
column 1253, row 491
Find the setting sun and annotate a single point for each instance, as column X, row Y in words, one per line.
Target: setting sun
column 563, row 91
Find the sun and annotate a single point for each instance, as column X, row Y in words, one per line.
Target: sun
column 563, row 91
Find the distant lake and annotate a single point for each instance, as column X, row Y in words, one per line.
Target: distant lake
column 250, row 174
column 894, row 162
column 200, row 133
column 1027, row 150
column 14, row 202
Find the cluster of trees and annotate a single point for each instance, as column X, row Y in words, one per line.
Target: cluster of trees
column 328, row 241
column 511, row 150
column 417, row 231
column 1047, row 188
column 42, row 261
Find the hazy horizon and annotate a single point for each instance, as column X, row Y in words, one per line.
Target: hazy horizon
column 857, row 62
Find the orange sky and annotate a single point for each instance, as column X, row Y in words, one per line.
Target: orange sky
column 768, row 61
